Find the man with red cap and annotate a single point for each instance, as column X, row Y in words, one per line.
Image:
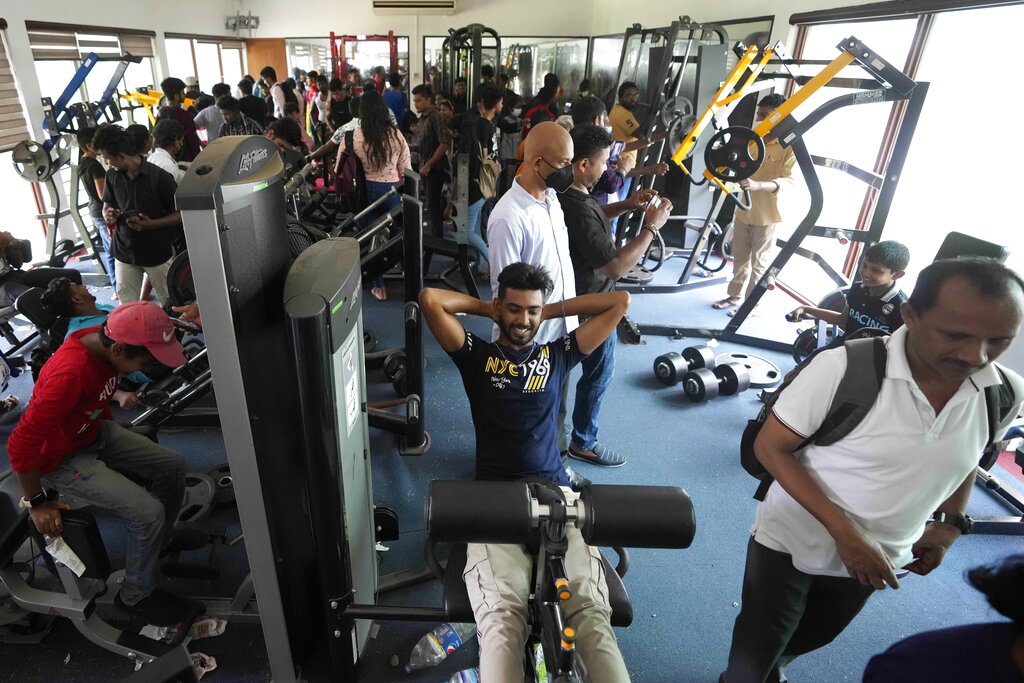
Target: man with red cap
column 68, row 442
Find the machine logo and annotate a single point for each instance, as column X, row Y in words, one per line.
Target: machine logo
column 251, row 159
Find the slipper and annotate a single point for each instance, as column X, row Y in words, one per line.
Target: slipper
column 598, row 455
column 727, row 302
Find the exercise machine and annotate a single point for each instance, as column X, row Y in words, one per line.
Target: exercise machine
column 464, row 52
column 339, row 53
column 735, row 153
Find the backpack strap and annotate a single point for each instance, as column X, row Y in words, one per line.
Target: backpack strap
column 999, row 401
column 857, row 391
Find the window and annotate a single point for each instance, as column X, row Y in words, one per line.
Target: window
column 210, row 59
column 180, row 63
column 605, row 54
column 207, row 65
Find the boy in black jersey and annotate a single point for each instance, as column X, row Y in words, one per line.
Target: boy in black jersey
column 872, row 302
column 514, row 387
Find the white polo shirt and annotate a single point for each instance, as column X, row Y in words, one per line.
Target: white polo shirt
column 891, row 473
column 522, row 228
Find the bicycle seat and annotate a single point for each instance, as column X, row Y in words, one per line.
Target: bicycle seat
column 459, row 609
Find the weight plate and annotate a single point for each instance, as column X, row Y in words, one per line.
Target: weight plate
column 32, row 162
column 221, row 475
column 835, row 300
column 734, row 154
column 677, row 133
column 669, row 367
column 733, row 378
column 763, row 372
column 700, row 385
column 200, row 494
column 674, row 109
column 699, row 357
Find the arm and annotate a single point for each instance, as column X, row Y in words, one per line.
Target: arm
column 862, row 556
column 630, row 254
column 604, row 310
column 277, row 94
column 644, row 142
column 655, row 169
column 638, row 201
column 404, row 156
column 831, row 317
column 930, row 549
column 784, row 179
column 439, row 308
column 142, row 222
column 442, row 149
column 111, row 209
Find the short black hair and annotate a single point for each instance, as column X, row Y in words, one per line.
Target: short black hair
column 220, row 90
column 228, row 102
column 203, row 101
column 588, row 140
column 1001, row 582
column 130, row 350
column 140, row 134
column 584, row 85
column 268, row 72
column 460, row 79
column 488, row 95
column 84, row 135
column 113, row 139
column 288, row 130
column 487, row 71
column 447, row 105
column 503, row 78
column 335, row 84
column 423, row 90
column 889, row 253
column 172, row 86
column 545, row 95
column 626, row 85
column 551, row 81
column 291, row 108
column 524, row 277
column 774, row 100
column 167, row 132
column 56, row 300
column 394, row 80
column 989, row 277
column 244, row 86
column 586, row 109
column 312, row 75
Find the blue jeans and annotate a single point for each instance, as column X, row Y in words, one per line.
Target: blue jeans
column 100, row 224
column 375, row 191
column 598, row 369
column 476, row 239
column 92, row 477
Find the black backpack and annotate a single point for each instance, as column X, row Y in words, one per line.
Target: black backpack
column 853, row 400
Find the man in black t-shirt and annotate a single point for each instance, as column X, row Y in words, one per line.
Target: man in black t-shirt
column 874, row 301
column 93, row 176
column 433, row 145
column 251, row 106
column 597, row 265
column 514, row 387
column 139, row 198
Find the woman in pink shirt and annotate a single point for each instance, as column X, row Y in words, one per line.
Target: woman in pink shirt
column 384, row 153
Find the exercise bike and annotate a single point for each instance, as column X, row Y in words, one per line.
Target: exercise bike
column 537, row 514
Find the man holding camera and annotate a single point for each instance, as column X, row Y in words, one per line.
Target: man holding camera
column 597, row 265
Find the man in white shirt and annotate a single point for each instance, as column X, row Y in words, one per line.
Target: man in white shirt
column 168, row 139
column 210, row 117
column 275, row 96
column 527, row 225
column 844, row 520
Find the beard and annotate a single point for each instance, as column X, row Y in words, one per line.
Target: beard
column 518, row 334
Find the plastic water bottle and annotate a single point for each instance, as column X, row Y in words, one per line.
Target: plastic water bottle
column 435, row 646
column 466, row 676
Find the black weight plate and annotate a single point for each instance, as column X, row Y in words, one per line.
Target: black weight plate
column 734, row 154
column 806, row 341
column 200, row 493
column 221, row 475
column 392, row 363
column 669, row 368
column 400, row 381
column 699, row 357
column 733, row 378
column 700, row 385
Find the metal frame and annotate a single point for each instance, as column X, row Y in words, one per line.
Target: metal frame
column 462, row 56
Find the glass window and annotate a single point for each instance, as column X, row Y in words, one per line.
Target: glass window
column 528, row 59
column 54, row 77
column 231, row 61
column 937, row 193
column 208, row 63
column 179, row 57
column 605, row 54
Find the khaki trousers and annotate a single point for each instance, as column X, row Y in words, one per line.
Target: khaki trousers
column 751, row 251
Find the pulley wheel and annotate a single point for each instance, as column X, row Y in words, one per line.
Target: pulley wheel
column 32, row 162
column 734, row 154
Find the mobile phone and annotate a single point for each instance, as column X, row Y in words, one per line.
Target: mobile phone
column 616, row 151
column 654, row 203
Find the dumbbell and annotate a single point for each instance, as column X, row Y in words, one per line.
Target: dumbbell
column 703, row 385
column 669, row 368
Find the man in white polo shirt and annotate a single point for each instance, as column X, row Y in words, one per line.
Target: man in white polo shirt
column 845, row 520
column 527, row 225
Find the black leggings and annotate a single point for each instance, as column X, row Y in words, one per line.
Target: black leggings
column 17, row 282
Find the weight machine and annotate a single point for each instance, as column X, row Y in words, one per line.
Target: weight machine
column 339, row 57
column 734, row 153
column 463, row 52
column 40, row 162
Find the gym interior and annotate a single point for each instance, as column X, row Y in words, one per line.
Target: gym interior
column 327, row 436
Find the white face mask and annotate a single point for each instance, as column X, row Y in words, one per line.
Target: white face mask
column 518, row 111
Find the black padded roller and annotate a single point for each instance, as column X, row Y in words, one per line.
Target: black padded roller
column 638, row 516
column 478, row 511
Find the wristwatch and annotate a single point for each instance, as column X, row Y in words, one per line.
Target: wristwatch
column 965, row 524
column 648, row 226
column 40, row 498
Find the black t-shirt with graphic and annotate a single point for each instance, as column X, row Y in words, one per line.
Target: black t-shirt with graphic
column 514, row 398
column 877, row 312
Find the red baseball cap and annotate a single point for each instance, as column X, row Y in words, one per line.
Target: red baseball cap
column 143, row 323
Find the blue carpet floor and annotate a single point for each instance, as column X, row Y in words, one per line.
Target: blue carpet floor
column 684, row 601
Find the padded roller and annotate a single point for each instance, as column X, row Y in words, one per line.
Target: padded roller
column 478, row 511
column 638, row 516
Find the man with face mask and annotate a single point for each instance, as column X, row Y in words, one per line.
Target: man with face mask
column 514, row 388
column 597, row 265
column 527, row 225
column 168, row 139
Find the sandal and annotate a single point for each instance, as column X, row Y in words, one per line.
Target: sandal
column 727, row 302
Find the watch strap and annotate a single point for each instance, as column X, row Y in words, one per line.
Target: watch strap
column 964, row 523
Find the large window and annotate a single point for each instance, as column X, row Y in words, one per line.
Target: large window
column 605, row 55
column 212, row 60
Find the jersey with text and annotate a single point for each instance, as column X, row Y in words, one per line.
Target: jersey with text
column 514, row 398
column 877, row 312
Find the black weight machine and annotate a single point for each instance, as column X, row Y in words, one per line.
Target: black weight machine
column 736, row 152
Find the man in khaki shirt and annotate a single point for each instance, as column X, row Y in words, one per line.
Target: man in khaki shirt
column 754, row 230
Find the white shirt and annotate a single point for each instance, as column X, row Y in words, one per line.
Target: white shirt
column 162, row 158
column 522, row 228
column 211, row 119
column 277, row 95
column 891, row 473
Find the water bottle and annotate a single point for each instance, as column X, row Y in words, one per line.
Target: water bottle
column 466, row 676
column 435, row 646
